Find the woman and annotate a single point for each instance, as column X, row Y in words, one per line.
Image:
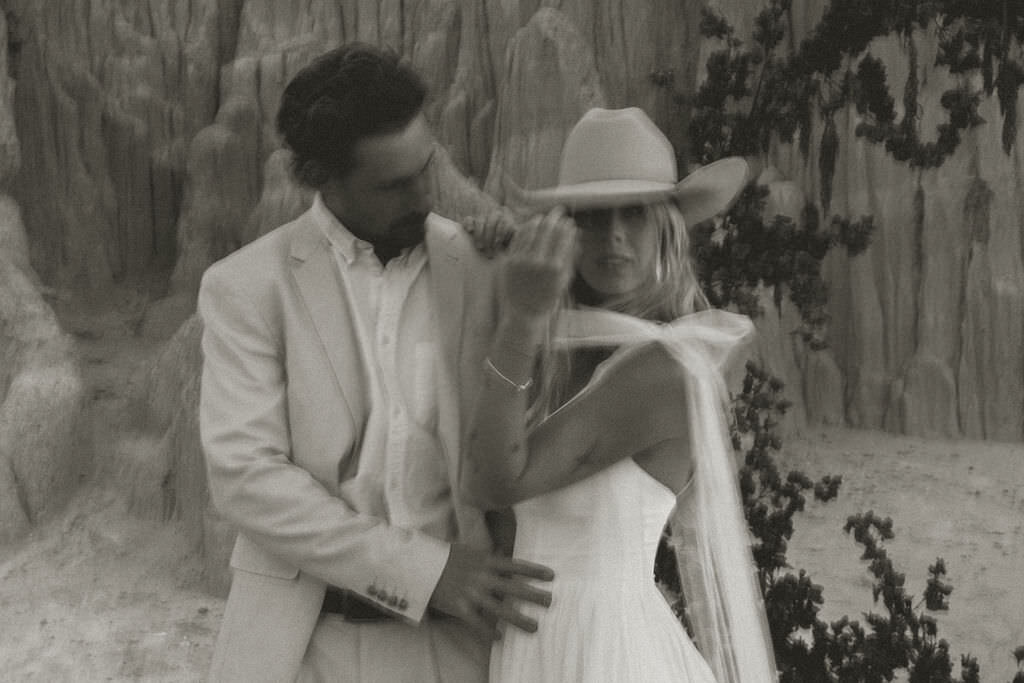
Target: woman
column 601, row 412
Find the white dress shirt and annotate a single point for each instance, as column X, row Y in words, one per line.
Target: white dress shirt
column 399, row 472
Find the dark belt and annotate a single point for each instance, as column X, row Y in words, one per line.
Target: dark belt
column 352, row 607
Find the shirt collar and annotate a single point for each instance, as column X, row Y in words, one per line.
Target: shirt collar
column 343, row 241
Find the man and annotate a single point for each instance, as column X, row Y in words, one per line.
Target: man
column 340, row 350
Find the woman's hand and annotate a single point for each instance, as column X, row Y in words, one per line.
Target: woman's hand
column 492, row 232
column 538, row 266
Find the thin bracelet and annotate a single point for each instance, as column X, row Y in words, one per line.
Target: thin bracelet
column 519, row 387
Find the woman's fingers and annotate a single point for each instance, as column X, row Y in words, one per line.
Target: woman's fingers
column 557, row 243
column 548, row 230
column 563, row 242
column 541, row 238
column 491, row 232
column 565, row 237
column 539, row 264
column 525, row 238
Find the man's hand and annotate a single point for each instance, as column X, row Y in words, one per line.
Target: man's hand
column 476, row 587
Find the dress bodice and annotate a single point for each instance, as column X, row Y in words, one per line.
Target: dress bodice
column 607, row 622
column 603, row 528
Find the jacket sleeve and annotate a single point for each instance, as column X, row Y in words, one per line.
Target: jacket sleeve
column 279, row 506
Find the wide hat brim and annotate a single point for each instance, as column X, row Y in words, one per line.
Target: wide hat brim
column 708, row 191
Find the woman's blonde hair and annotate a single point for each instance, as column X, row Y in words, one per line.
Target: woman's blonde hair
column 669, row 292
column 672, row 290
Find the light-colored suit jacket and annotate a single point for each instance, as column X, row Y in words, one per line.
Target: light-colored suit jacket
column 282, row 411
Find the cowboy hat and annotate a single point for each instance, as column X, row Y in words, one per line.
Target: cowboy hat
column 618, row 157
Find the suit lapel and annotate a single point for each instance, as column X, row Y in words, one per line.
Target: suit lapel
column 450, row 275
column 316, row 274
column 447, row 281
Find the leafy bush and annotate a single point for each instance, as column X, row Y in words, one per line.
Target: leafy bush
column 745, row 252
column 754, row 93
column 901, row 637
column 772, row 89
column 752, row 96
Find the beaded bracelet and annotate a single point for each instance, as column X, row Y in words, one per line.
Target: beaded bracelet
column 519, row 387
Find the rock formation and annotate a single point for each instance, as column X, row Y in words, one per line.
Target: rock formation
column 108, row 94
column 42, row 454
column 146, row 149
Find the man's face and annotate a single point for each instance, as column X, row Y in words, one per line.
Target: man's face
column 386, row 196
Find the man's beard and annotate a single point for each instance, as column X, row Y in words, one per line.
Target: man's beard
column 406, row 232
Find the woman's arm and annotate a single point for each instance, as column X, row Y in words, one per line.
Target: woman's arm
column 636, row 408
column 534, row 275
column 497, row 451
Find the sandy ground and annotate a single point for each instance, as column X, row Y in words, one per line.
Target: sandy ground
column 98, row 594
column 959, row 500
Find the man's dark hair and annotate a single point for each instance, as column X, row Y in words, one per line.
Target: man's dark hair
column 349, row 93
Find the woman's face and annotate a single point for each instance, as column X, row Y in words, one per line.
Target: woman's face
column 618, row 248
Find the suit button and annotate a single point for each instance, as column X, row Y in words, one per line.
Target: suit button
column 382, row 596
column 403, row 603
column 371, row 590
column 393, row 600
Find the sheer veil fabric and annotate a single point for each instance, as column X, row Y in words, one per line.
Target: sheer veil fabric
column 710, row 534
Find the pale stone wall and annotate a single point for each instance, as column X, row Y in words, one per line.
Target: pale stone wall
column 42, row 454
column 138, row 138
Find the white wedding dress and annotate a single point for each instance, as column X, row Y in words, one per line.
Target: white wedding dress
column 608, row 622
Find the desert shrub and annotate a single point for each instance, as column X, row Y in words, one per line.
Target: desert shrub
column 773, row 87
column 744, row 252
column 770, row 88
column 901, row 637
column 765, row 91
